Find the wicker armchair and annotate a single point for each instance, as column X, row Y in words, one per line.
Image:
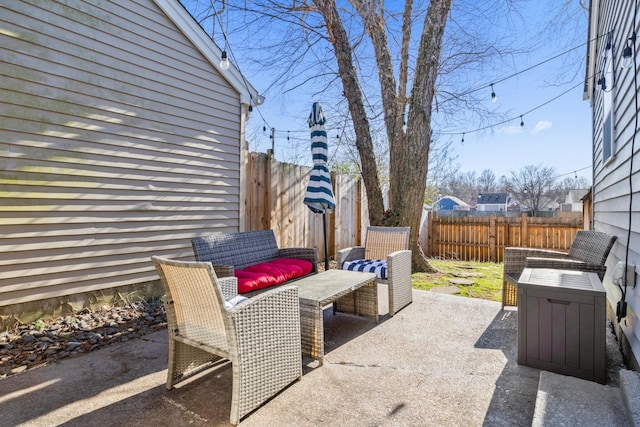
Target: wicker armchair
column 261, row 337
column 588, row 252
column 390, row 244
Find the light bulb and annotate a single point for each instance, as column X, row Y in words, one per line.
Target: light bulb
column 521, row 122
column 224, row 63
column 627, row 60
column 494, row 97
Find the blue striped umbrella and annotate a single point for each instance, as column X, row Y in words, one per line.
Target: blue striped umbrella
column 319, row 195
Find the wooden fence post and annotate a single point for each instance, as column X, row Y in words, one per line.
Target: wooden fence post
column 431, row 238
column 524, row 231
column 493, row 256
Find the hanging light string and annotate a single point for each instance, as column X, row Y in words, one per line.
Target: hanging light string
column 518, row 116
column 517, row 73
column 494, row 96
column 512, row 118
column 573, row 172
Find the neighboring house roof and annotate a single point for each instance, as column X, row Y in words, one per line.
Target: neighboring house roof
column 450, row 201
column 194, row 32
column 575, row 196
column 493, row 198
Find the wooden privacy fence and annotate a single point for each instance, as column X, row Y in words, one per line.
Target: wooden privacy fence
column 484, row 238
column 274, row 200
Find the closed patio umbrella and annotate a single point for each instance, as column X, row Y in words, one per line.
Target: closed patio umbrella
column 319, row 195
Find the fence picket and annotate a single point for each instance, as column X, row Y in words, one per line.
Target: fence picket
column 482, row 238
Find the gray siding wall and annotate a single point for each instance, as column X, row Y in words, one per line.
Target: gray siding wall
column 118, row 140
column 611, row 195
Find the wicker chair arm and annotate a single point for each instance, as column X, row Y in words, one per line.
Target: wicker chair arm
column 223, row 270
column 273, row 296
column 349, row 254
column 399, row 262
column 515, row 259
column 266, row 338
column 566, row 264
column 309, row 254
column 228, row 286
column 399, row 255
column 399, row 280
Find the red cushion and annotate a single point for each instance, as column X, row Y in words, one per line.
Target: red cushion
column 279, row 274
column 303, row 264
column 251, row 281
column 274, row 272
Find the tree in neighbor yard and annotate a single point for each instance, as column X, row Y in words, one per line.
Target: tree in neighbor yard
column 533, row 186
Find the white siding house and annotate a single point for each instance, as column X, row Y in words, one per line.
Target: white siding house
column 612, row 91
column 120, row 138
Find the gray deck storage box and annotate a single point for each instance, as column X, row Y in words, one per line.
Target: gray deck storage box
column 561, row 322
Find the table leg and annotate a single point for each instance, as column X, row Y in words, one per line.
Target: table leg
column 312, row 330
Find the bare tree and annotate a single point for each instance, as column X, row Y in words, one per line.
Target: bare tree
column 534, row 186
column 487, row 181
column 463, row 185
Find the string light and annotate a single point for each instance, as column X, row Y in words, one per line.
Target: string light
column 513, row 118
column 494, row 98
column 627, row 52
column 224, row 62
column 521, row 123
column 462, row 138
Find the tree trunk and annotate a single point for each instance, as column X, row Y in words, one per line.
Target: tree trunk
column 410, row 172
column 409, row 153
column 364, row 143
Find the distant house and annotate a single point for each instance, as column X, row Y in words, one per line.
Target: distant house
column 611, row 87
column 450, row 203
column 493, row 202
column 121, row 138
column 573, row 201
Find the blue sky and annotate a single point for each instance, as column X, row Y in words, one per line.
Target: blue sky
column 556, row 135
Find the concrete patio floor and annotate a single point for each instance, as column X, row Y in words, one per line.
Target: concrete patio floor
column 442, row 361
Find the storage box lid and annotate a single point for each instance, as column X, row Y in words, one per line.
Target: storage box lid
column 566, row 279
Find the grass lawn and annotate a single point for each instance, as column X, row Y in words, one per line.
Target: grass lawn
column 473, row 279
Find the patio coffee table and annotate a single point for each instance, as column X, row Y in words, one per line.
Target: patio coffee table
column 351, row 292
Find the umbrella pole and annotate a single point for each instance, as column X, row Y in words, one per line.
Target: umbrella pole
column 326, row 246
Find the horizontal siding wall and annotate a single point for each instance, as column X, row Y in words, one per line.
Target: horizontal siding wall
column 118, row 141
column 612, row 202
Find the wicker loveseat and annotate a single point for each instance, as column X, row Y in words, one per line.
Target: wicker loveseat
column 252, row 252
